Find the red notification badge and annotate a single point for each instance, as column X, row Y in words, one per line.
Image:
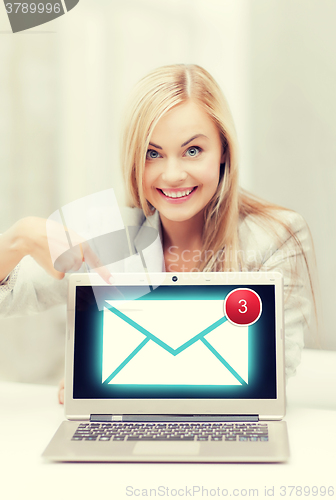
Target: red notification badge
column 242, row 307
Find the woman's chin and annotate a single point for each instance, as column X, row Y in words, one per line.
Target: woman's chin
column 178, row 215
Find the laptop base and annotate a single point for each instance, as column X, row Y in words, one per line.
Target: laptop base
column 63, row 449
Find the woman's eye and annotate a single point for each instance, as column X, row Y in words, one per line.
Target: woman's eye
column 193, row 151
column 152, row 154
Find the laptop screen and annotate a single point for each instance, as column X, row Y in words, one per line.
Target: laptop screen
column 175, row 342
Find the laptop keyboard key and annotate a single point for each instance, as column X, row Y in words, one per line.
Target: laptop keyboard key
column 185, row 431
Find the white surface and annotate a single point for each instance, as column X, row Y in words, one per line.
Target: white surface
column 30, row 415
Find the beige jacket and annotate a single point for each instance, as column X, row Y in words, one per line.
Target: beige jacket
column 28, row 289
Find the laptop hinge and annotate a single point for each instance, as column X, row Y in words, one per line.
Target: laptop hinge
column 173, row 418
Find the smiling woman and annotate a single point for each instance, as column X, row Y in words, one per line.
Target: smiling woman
column 183, row 173
column 180, row 162
column 180, row 158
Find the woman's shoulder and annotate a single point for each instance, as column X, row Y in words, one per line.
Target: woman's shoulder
column 268, row 232
column 275, row 219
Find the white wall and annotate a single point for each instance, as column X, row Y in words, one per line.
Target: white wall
column 292, row 125
column 104, row 51
column 63, row 89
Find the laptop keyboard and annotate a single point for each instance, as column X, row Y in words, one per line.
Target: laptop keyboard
column 184, row 431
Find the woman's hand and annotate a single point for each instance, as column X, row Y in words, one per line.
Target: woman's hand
column 61, row 392
column 33, row 236
column 25, row 237
column 49, row 247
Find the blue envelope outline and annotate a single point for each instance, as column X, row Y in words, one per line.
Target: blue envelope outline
column 149, row 336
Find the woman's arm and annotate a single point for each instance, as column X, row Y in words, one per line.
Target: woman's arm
column 33, row 283
column 291, row 259
column 25, row 288
column 275, row 249
column 28, row 236
column 11, row 252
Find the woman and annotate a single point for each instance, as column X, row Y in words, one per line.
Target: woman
column 180, row 163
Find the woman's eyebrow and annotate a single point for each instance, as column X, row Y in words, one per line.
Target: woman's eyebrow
column 154, row 145
column 192, row 138
column 184, row 144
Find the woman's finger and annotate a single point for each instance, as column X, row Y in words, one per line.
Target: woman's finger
column 61, row 392
column 94, row 262
column 69, row 261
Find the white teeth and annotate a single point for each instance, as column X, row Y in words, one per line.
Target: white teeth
column 176, row 194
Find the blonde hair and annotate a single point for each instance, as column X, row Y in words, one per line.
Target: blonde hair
column 154, row 96
column 157, row 93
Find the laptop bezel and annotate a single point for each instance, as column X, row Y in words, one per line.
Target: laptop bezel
column 265, row 409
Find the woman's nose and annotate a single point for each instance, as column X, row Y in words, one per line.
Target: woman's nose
column 173, row 172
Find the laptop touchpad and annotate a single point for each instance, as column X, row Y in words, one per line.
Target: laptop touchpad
column 167, row 448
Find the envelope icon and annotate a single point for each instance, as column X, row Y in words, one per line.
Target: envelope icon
column 172, row 342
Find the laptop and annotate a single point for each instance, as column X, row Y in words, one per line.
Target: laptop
column 174, row 367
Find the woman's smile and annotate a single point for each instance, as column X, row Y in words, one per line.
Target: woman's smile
column 183, row 162
column 179, row 195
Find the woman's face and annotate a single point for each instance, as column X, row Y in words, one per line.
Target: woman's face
column 183, row 162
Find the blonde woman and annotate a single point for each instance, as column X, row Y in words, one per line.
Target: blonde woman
column 180, row 163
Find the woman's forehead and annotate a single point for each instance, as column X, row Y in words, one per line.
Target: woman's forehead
column 183, row 122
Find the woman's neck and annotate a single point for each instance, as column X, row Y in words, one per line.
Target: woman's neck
column 183, row 235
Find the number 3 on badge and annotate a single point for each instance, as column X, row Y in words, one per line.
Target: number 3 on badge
column 242, row 307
